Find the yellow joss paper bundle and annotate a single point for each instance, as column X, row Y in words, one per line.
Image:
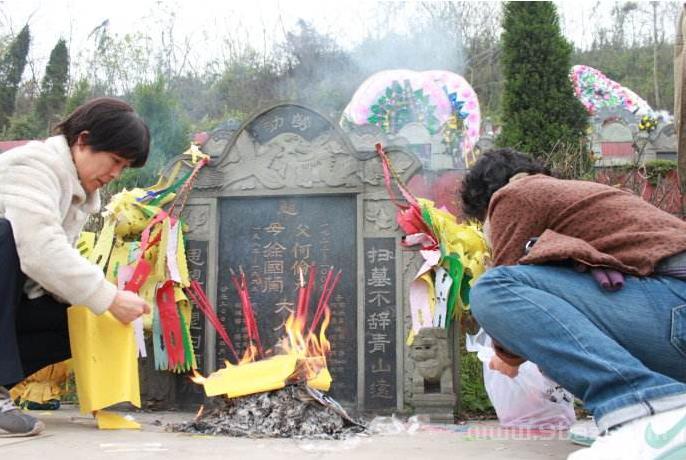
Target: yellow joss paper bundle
column 104, row 354
column 454, row 254
column 44, row 385
column 142, row 227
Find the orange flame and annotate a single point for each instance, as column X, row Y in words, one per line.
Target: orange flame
column 248, row 356
column 308, row 347
column 323, row 341
column 312, row 350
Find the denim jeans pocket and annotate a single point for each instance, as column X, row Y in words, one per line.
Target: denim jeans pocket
column 679, row 328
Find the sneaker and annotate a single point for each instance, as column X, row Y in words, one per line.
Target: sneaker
column 584, row 432
column 13, row 422
column 658, row 437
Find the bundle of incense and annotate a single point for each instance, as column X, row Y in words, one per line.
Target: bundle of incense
column 323, row 304
column 196, row 293
column 241, row 284
column 302, row 309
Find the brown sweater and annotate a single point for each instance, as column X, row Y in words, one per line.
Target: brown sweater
column 594, row 224
column 591, row 223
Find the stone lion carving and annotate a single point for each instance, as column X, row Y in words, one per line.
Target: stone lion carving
column 432, row 362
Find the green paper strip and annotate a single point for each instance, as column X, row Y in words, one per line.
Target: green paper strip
column 455, row 271
column 161, row 359
column 171, row 189
column 187, row 345
column 465, row 289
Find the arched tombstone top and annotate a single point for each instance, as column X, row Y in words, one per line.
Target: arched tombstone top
column 615, row 131
column 290, row 147
column 615, row 114
column 220, row 137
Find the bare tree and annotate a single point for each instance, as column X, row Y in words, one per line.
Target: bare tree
column 477, row 29
column 655, row 50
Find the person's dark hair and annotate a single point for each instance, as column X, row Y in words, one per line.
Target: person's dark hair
column 492, row 171
column 112, row 126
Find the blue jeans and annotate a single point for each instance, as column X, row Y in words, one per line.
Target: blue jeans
column 623, row 353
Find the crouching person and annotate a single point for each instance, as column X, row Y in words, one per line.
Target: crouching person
column 589, row 283
column 47, row 190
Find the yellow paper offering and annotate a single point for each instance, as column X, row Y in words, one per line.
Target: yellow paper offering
column 322, row 381
column 111, row 421
column 266, row 375
column 104, row 356
column 43, row 385
column 101, row 253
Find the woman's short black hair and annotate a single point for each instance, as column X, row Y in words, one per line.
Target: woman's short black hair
column 112, row 126
column 492, row 171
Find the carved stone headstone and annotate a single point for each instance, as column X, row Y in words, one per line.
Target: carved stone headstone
column 288, row 189
column 432, row 381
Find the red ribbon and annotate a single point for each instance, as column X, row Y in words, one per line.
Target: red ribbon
column 139, row 276
column 171, row 324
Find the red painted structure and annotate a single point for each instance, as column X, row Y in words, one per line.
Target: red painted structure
column 6, row 145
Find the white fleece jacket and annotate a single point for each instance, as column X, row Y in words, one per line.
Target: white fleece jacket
column 40, row 194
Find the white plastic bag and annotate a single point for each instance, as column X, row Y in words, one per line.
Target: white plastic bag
column 530, row 400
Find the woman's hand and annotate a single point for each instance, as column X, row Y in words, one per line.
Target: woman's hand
column 128, row 306
column 501, row 366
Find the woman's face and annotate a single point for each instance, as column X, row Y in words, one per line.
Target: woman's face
column 96, row 168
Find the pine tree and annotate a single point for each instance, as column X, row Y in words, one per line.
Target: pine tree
column 159, row 107
column 80, row 94
column 540, row 112
column 53, row 93
column 11, row 68
column 169, row 131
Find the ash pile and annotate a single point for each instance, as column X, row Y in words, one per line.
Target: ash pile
column 296, row 411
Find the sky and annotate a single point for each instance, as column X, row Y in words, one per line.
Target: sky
column 202, row 21
column 74, row 20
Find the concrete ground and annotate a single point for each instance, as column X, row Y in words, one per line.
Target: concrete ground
column 72, row 436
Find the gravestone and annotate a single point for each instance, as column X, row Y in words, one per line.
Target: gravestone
column 615, row 131
column 290, row 188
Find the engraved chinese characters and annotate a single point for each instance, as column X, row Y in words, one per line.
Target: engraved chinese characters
column 188, row 392
column 271, row 239
column 380, row 323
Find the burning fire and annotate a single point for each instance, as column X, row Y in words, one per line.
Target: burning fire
column 310, row 349
column 248, row 356
column 303, row 354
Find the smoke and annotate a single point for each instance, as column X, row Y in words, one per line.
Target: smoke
column 429, row 47
column 320, row 72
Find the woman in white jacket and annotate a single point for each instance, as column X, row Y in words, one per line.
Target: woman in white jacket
column 47, row 191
